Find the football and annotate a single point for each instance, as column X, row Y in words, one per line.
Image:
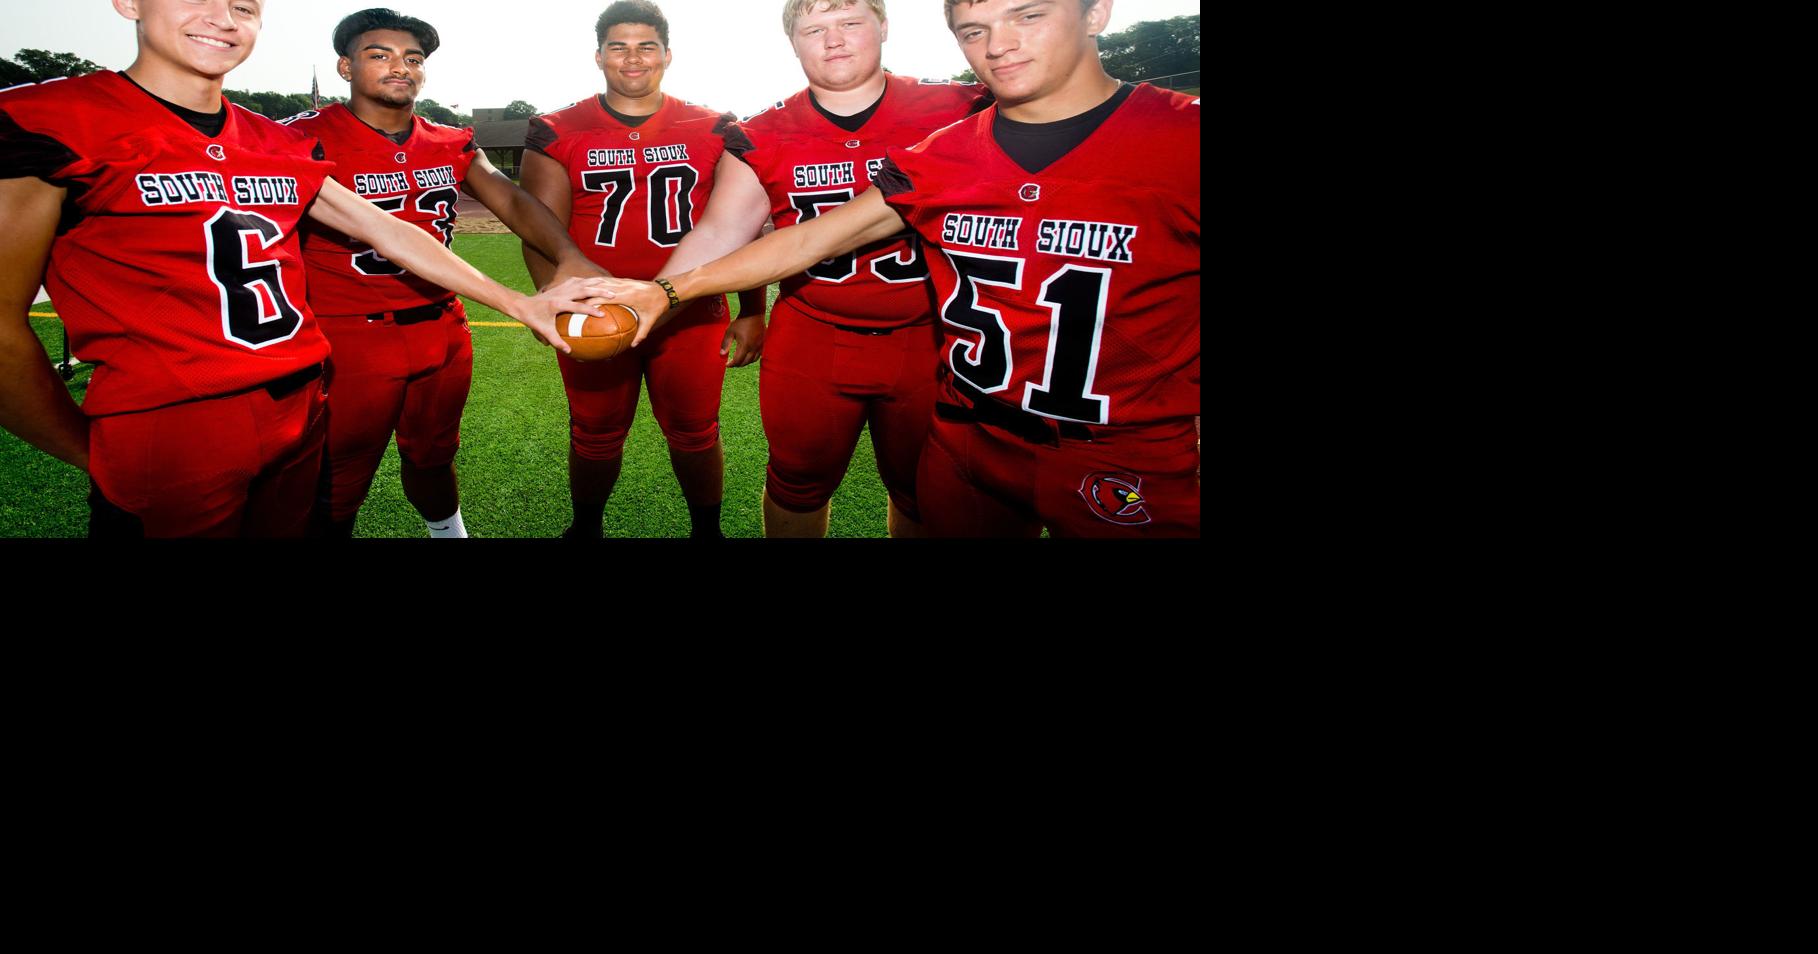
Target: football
column 597, row 339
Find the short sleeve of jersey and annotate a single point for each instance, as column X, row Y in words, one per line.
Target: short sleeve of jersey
column 542, row 138
column 984, row 101
column 26, row 153
column 891, row 180
column 737, row 142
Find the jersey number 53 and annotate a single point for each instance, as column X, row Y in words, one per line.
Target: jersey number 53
column 894, row 268
column 438, row 202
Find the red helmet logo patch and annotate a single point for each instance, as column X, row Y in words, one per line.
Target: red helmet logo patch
column 1116, row 498
column 217, row 153
column 1029, row 192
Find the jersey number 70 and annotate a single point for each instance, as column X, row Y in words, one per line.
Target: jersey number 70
column 671, row 206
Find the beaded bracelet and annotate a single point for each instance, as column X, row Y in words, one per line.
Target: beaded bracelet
column 668, row 289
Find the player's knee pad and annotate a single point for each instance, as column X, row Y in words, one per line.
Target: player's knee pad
column 896, row 468
column 693, row 439
column 599, row 418
column 797, row 494
column 906, row 506
column 596, row 439
column 428, row 454
column 346, row 482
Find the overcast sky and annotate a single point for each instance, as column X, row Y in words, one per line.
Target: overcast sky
column 729, row 54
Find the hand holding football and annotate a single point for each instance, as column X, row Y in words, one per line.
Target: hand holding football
column 597, row 339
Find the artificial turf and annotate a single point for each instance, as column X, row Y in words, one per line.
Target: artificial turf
column 514, row 445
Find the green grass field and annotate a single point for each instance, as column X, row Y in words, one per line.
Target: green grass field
column 514, row 446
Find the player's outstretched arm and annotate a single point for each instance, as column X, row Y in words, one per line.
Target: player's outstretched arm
column 776, row 256
column 735, row 213
column 34, row 404
column 529, row 219
column 547, row 182
column 413, row 248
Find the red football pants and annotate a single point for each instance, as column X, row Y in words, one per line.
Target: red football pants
column 977, row 480
column 238, row 466
column 384, row 377
column 819, row 386
column 686, row 371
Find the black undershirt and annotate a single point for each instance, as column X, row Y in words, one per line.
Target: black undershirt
column 208, row 124
column 632, row 121
column 1036, row 146
column 854, row 122
column 400, row 138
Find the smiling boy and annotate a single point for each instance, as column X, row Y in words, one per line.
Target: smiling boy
column 628, row 171
column 1068, row 287
column 851, row 341
column 164, row 223
column 403, row 355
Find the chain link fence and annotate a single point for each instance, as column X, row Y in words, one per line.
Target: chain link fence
column 1188, row 80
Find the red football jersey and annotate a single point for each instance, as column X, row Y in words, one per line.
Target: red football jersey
column 419, row 182
column 637, row 190
column 177, row 269
column 1072, row 293
column 808, row 166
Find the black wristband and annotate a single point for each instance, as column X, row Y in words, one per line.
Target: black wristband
column 668, row 289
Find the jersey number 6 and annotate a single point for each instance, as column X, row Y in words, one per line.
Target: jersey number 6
column 255, row 309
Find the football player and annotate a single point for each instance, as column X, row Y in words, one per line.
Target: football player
column 851, row 340
column 1065, row 225
column 627, row 171
column 169, row 220
column 403, row 357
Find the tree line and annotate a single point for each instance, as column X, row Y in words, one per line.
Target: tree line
column 1150, row 49
column 36, row 66
column 436, row 112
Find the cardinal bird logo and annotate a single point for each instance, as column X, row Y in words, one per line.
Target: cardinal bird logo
column 217, row 153
column 1030, row 192
column 1116, row 498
